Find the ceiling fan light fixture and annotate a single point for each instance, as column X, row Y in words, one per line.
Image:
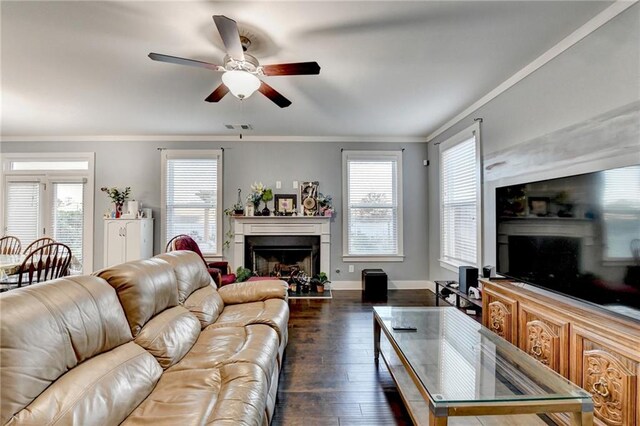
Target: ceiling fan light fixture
column 241, row 84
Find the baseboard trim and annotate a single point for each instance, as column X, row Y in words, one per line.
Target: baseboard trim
column 393, row 285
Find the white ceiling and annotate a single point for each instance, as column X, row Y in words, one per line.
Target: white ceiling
column 388, row 68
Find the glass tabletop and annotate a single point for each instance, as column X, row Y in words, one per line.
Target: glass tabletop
column 458, row 360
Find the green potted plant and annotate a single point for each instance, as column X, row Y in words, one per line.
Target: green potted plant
column 323, row 281
column 118, row 197
column 255, row 196
column 267, row 196
column 243, row 274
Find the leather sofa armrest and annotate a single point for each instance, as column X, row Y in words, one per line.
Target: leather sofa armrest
column 253, row 291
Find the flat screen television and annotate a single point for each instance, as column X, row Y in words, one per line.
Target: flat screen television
column 576, row 235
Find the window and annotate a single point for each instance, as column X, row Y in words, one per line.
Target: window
column 192, row 197
column 372, row 194
column 50, row 195
column 460, row 200
column 621, row 207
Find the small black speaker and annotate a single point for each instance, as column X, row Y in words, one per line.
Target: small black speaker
column 468, row 277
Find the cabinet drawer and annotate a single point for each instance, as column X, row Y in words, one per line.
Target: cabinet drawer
column 499, row 314
column 610, row 375
column 545, row 337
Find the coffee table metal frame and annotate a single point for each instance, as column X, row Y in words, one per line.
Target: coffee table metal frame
column 581, row 411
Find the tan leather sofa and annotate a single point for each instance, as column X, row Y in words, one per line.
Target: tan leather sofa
column 143, row 343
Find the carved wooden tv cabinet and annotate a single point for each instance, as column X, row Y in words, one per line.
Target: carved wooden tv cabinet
column 595, row 350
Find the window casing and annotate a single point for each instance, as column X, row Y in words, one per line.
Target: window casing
column 192, row 197
column 460, row 200
column 372, row 205
column 50, row 194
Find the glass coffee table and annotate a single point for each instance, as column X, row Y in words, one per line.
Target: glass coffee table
column 452, row 366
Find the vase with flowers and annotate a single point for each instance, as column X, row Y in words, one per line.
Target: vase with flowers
column 325, row 204
column 118, row 197
column 255, row 196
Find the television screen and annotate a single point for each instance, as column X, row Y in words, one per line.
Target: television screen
column 576, row 235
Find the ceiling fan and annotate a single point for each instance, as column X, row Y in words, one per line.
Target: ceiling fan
column 241, row 70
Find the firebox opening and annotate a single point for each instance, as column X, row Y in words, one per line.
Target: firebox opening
column 280, row 255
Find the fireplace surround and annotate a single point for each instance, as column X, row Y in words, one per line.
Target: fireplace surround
column 280, row 233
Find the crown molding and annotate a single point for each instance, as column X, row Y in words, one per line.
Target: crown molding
column 590, row 26
column 213, row 138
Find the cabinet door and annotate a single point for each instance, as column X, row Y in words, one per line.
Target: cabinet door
column 499, row 314
column 609, row 374
column 113, row 243
column 132, row 240
column 545, row 337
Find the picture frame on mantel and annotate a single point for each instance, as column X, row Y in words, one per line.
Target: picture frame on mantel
column 309, row 198
column 285, row 204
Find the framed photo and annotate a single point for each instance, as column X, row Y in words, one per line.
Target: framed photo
column 285, row 204
column 539, row 206
column 309, row 198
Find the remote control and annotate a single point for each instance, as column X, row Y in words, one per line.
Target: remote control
column 404, row 328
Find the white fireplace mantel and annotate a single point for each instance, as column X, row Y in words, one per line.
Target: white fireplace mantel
column 245, row 226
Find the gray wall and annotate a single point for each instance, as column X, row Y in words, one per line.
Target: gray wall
column 598, row 74
column 137, row 164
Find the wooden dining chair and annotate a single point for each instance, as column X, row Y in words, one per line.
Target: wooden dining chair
column 45, row 263
column 38, row 243
column 10, row 245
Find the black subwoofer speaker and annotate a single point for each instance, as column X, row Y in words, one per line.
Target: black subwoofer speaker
column 467, row 277
column 374, row 284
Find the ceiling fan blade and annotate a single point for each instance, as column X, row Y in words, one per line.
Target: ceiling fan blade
column 228, row 30
column 298, row 68
column 182, row 61
column 272, row 94
column 218, row 94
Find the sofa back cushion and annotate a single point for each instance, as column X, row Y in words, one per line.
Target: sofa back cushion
column 144, row 287
column 169, row 335
column 191, row 273
column 206, row 304
column 48, row 329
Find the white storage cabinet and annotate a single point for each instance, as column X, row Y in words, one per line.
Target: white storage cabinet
column 127, row 239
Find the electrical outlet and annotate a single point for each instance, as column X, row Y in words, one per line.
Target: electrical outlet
column 351, row 268
column 295, row 184
column 278, row 184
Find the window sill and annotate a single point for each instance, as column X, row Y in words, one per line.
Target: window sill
column 392, row 258
column 453, row 266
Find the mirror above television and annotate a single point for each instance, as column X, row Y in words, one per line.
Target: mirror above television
column 576, row 235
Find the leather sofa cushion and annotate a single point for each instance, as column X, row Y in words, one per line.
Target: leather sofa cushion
column 191, row 273
column 255, row 344
column 145, row 288
column 206, row 304
column 242, row 396
column 169, row 335
column 253, row 291
column 272, row 312
column 103, row 390
column 232, row 394
column 49, row 328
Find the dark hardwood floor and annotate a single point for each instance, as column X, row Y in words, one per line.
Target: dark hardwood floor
column 329, row 376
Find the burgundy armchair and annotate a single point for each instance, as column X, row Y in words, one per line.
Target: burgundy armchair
column 219, row 271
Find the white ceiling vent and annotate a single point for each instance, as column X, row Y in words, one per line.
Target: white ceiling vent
column 239, row 126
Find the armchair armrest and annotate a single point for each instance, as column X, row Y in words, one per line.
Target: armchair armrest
column 253, row 291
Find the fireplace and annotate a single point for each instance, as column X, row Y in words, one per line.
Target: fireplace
column 286, row 240
column 269, row 255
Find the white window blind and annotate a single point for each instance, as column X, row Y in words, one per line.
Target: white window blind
column 459, row 189
column 23, row 211
column 373, row 204
column 192, row 195
column 67, row 215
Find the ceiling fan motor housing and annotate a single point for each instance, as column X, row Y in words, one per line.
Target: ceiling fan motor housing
column 250, row 64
